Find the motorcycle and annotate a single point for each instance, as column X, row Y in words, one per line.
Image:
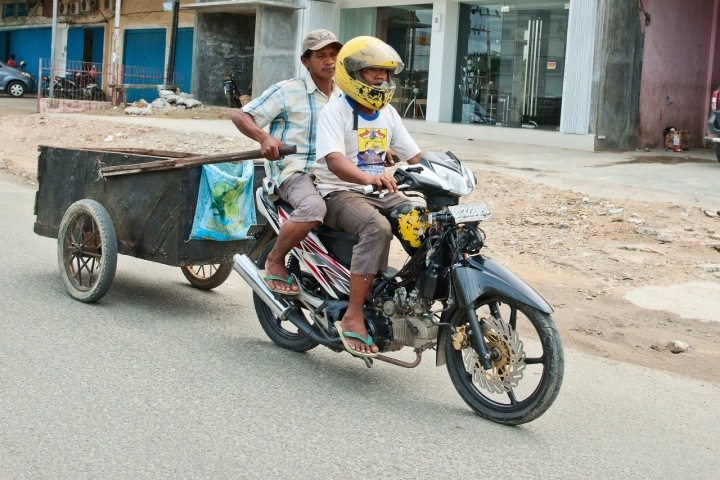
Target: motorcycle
column 494, row 333
column 88, row 87
column 233, row 97
column 75, row 86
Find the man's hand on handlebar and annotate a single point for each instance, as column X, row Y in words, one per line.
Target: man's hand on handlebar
column 269, row 148
column 385, row 181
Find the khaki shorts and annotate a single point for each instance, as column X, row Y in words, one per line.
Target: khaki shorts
column 299, row 191
column 362, row 216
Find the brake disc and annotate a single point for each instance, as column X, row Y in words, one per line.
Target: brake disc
column 507, row 369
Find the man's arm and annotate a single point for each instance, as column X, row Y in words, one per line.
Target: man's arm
column 247, row 126
column 347, row 171
column 415, row 159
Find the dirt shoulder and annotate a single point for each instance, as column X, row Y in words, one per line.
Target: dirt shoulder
column 583, row 253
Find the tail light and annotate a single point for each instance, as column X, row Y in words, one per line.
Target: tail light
column 715, row 100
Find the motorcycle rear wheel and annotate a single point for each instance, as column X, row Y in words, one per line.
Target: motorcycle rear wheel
column 542, row 362
column 283, row 333
column 232, row 102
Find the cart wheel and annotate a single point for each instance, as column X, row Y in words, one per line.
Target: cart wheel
column 87, row 251
column 207, row 277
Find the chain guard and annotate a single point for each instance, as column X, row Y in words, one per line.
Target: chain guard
column 506, row 371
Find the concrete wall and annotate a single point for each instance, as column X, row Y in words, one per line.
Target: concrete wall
column 616, row 75
column 713, row 81
column 224, row 43
column 276, row 33
column 677, row 68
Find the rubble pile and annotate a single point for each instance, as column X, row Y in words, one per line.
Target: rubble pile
column 168, row 99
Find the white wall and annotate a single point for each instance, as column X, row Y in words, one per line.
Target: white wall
column 316, row 15
column 577, row 87
column 443, row 49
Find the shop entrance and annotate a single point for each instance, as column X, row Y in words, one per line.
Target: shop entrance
column 406, row 28
column 510, row 64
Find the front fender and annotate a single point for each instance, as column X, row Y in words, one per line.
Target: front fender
column 480, row 276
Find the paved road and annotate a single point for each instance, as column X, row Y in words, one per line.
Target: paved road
column 162, row 380
column 13, row 106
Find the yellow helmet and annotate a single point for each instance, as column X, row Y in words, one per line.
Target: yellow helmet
column 364, row 52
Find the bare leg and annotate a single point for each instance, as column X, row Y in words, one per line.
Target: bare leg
column 354, row 320
column 290, row 234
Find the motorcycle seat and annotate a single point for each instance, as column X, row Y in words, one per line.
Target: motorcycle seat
column 321, row 229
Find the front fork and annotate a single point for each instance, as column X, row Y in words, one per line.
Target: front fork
column 478, row 339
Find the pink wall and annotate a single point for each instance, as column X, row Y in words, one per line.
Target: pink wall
column 681, row 59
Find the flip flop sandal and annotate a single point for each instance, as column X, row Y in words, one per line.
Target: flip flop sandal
column 343, row 335
column 266, row 278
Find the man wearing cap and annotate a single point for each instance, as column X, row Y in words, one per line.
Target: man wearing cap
column 291, row 108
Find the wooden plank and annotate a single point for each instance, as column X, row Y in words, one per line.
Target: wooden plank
column 179, row 163
column 141, row 85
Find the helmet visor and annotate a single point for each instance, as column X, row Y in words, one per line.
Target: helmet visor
column 375, row 54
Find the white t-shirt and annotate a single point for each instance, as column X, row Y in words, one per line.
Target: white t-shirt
column 365, row 147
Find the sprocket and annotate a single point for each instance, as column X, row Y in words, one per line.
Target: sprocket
column 507, row 369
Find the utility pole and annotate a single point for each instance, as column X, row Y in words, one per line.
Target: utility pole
column 170, row 75
column 115, row 77
column 53, row 56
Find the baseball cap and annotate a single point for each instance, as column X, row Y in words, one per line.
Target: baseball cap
column 318, row 39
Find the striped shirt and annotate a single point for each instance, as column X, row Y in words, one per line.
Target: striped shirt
column 291, row 108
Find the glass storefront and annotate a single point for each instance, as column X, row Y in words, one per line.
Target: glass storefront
column 407, row 29
column 510, row 63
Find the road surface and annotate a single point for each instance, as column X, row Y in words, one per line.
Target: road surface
column 161, row 380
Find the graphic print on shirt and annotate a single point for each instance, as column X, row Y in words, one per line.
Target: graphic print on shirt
column 372, row 145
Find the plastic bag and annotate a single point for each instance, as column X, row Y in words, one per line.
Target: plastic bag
column 226, row 206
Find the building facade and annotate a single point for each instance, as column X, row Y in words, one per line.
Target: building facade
column 580, row 74
column 526, row 71
column 84, row 38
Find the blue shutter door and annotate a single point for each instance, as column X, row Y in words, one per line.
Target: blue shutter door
column 183, row 58
column 4, row 54
column 144, row 59
column 98, row 44
column 75, row 44
column 30, row 45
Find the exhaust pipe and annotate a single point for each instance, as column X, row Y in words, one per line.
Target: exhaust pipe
column 249, row 272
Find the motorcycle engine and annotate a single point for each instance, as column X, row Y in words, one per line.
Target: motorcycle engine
column 406, row 312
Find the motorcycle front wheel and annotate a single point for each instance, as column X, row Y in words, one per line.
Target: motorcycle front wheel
column 527, row 363
column 230, row 98
column 282, row 332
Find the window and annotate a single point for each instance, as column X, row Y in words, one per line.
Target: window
column 406, row 28
column 15, row 10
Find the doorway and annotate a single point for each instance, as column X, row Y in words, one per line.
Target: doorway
column 510, row 65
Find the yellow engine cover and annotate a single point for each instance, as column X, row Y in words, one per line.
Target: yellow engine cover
column 409, row 223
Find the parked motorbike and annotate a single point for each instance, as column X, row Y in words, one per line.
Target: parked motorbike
column 235, row 97
column 494, row 332
column 88, row 87
column 74, row 86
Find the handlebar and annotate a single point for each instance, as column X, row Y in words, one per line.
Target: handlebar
column 287, row 150
column 368, row 189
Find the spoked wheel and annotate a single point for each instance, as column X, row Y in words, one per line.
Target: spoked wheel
column 527, row 361
column 87, row 251
column 282, row 332
column 207, row 277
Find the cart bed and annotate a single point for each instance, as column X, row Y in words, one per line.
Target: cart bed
column 152, row 212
